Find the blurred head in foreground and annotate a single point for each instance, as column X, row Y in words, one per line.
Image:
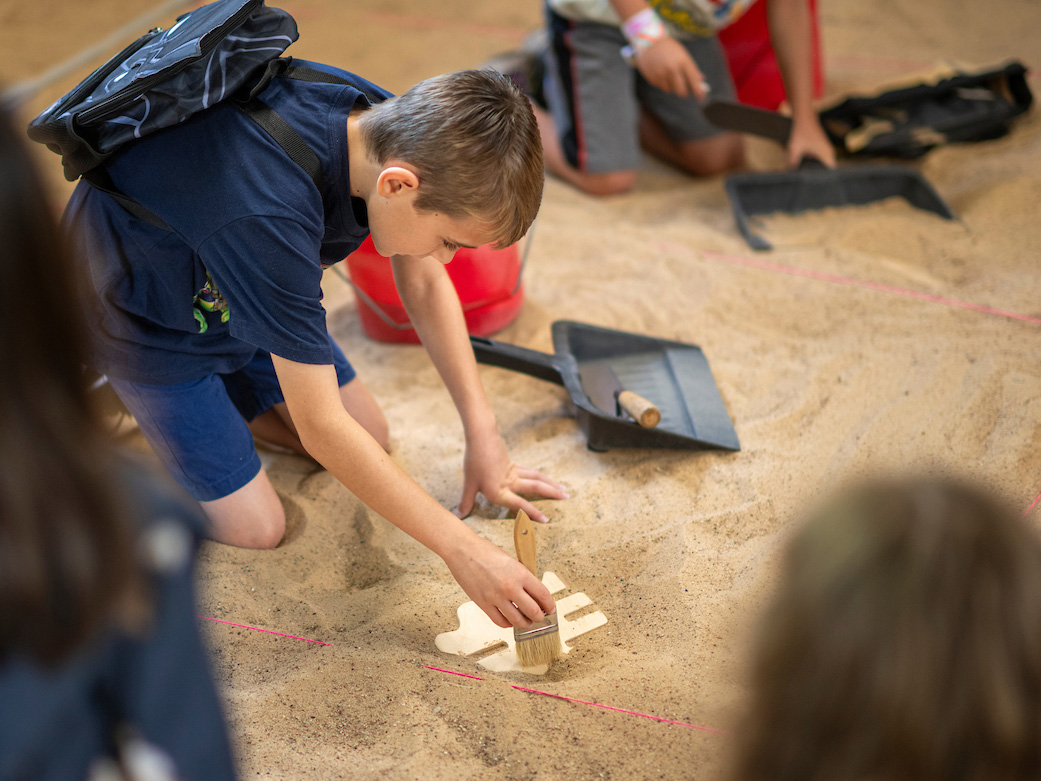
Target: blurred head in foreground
column 100, row 653
column 66, row 544
column 904, row 642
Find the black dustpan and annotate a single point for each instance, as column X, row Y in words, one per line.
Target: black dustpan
column 812, row 185
column 593, row 363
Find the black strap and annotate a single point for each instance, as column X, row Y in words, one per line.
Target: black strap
column 303, row 73
column 286, row 137
column 98, row 177
column 280, row 130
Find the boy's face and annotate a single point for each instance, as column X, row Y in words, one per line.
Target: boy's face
column 399, row 228
column 415, row 232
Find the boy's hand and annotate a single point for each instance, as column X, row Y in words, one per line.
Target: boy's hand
column 500, row 585
column 667, row 65
column 487, row 468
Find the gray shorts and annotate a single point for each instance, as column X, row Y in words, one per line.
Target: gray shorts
column 595, row 96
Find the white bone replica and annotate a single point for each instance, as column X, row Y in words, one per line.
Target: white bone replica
column 477, row 633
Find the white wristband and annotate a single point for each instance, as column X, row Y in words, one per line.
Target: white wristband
column 643, row 29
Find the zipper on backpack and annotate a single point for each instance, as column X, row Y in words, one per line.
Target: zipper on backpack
column 91, row 82
column 96, row 113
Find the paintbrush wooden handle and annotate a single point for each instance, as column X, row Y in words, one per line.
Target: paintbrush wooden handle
column 644, row 412
column 524, row 541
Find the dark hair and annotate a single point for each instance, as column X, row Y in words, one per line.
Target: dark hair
column 67, row 559
column 474, row 141
column 904, row 642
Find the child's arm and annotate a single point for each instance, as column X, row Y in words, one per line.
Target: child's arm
column 433, row 307
column 661, row 59
column 498, row 583
column 790, row 30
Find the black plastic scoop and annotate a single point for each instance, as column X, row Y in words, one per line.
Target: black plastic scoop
column 673, row 375
column 812, row 185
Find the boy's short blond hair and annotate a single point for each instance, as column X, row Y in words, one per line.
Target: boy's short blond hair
column 475, row 144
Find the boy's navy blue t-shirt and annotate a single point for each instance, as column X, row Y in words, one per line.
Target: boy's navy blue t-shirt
column 241, row 268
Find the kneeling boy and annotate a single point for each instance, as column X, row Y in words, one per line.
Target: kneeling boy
column 216, row 319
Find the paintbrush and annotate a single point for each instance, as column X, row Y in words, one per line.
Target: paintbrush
column 539, row 644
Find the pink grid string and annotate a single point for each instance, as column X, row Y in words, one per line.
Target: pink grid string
column 586, row 702
column 739, row 260
column 1033, row 504
column 258, row 629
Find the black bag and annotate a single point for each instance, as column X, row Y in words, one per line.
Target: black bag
column 161, row 79
column 225, row 50
column 909, row 122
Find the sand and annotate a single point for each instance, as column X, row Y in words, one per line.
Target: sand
column 875, row 339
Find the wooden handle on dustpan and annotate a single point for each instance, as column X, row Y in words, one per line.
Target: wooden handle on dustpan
column 644, row 412
column 524, row 541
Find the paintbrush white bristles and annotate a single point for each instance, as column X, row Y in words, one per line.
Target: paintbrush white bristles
column 539, row 644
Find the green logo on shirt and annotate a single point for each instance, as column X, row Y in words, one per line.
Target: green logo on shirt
column 209, row 299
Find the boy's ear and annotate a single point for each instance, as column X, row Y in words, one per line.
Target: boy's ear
column 396, row 180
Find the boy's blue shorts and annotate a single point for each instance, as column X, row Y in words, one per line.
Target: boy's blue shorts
column 198, row 429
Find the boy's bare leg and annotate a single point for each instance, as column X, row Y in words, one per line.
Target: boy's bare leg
column 556, row 163
column 277, row 428
column 253, row 516
column 707, row 157
column 269, row 428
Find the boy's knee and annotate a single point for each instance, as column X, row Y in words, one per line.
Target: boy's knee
column 267, row 532
column 263, row 529
column 614, row 183
column 252, row 517
column 724, row 153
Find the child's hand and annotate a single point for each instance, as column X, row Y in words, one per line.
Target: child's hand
column 668, row 66
column 808, row 139
column 499, row 584
column 487, row 468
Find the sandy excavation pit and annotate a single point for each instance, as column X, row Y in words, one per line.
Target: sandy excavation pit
column 885, row 339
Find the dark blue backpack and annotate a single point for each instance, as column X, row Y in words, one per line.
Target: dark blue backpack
column 228, row 49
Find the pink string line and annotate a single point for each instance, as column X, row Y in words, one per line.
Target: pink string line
column 453, row 672
column 586, row 702
column 802, row 272
column 269, row 631
column 1032, row 505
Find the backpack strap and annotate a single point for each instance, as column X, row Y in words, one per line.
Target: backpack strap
column 99, row 178
column 280, row 130
column 286, row 137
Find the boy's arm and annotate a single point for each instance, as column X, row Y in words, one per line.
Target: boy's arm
column 790, row 35
column 433, row 307
column 498, row 583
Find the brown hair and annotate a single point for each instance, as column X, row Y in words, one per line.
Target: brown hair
column 67, row 558
column 473, row 138
column 904, row 643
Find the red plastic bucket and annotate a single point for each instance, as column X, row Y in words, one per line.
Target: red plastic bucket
column 487, row 280
column 753, row 64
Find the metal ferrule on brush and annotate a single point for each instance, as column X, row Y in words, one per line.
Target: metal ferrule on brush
column 546, row 626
